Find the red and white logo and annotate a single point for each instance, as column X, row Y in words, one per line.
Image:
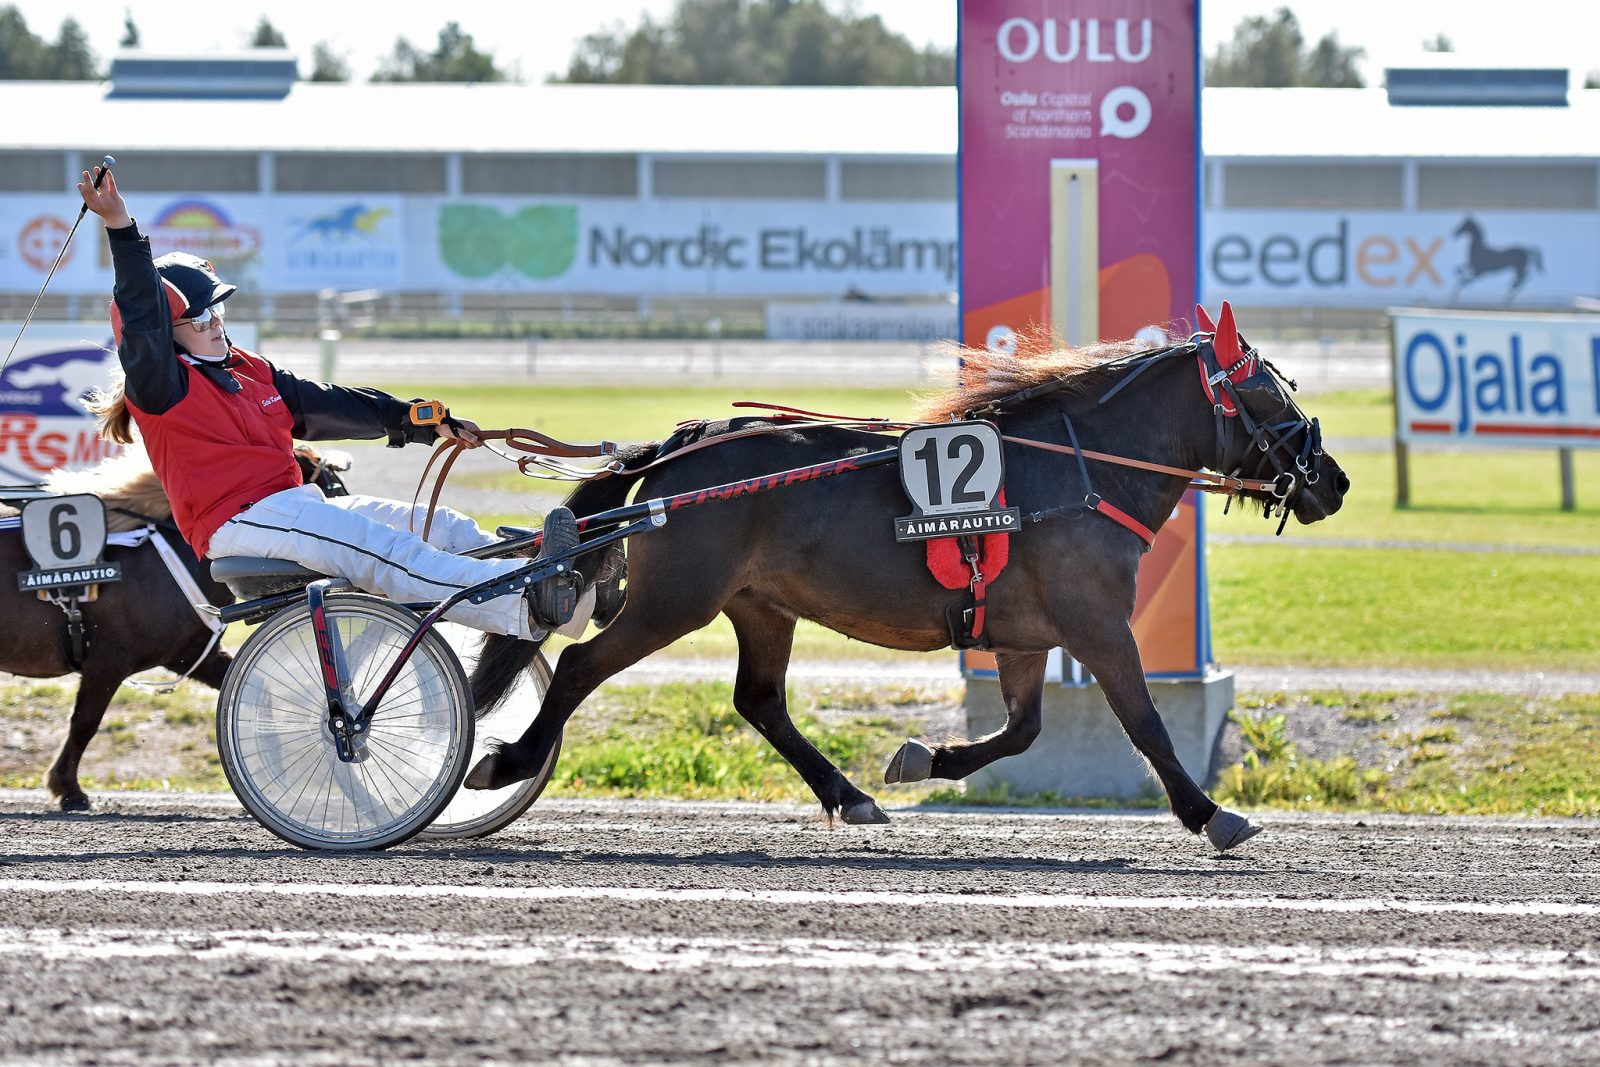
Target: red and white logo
column 40, row 240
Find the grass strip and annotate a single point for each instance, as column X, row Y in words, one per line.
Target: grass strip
column 686, row 740
column 1477, row 754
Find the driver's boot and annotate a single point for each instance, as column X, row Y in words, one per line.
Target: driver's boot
column 553, row 601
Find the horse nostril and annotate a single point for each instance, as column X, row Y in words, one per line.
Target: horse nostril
column 1342, row 483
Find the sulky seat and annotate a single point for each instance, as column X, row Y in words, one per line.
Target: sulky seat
column 251, row 577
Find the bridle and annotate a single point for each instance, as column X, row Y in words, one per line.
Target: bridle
column 1245, row 394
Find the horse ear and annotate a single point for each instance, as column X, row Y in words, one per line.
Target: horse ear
column 1204, row 320
column 1226, row 341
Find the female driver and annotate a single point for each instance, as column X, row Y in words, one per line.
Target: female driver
column 219, row 425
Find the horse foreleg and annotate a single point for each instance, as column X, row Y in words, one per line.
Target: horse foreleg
column 1116, row 666
column 1022, row 689
column 95, row 691
column 766, row 638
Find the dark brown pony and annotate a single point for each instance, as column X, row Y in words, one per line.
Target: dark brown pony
column 824, row 550
column 139, row 623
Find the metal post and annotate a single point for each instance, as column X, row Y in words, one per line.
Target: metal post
column 1569, row 489
column 1402, row 466
column 714, row 327
column 1402, row 476
column 330, row 353
column 1075, row 250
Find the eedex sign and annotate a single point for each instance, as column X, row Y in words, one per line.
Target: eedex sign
column 1497, row 380
column 1378, row 258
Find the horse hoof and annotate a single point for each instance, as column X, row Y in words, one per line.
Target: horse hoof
column 483, row 775
column 863, row 812
column 1226, row 830
column 75, row 803
column 912, row 763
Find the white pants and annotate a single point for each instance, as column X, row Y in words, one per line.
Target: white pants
column 366, row 540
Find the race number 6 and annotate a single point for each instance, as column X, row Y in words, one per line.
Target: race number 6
column 67, row 531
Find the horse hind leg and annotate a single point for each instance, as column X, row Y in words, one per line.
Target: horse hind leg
column 1022, row 689
column 766, row 638
column 95, row 690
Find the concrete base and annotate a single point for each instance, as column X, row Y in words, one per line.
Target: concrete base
column 1082, row 750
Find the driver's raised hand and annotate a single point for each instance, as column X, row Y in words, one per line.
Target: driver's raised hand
column 105, row 201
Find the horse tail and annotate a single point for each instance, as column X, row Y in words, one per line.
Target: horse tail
column 1538, row 259
column 503, row 660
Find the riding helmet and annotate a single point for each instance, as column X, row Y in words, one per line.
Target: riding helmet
column 190, row 283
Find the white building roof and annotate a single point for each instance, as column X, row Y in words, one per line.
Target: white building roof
column 664, row 120
column 493, row 118
column 1361, row 124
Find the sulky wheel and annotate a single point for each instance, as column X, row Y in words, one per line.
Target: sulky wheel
column 278, row 751
column 481, row 812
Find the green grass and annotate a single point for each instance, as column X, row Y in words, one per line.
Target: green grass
column 1346, row 606
column 1498, row 755
column 686, row 740
column 1461, row 495
column 1352, row 413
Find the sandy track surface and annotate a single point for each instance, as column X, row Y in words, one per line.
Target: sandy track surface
column 173, row 929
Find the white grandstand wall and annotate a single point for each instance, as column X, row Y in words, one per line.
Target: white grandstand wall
column 619, row 200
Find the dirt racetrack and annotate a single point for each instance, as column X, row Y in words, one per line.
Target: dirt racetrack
column 173, row 929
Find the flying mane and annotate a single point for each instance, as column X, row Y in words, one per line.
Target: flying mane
column 987, row 375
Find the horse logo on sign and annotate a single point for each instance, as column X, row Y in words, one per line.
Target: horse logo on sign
column 1483, row 258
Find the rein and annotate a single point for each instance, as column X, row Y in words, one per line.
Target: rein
column 542, row 451
column 547, row 453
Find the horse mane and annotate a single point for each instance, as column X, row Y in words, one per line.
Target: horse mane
column 123, row 481
column 987, row 375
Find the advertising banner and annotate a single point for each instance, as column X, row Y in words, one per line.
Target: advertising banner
column 1497, row 380
column 31, row 231
column 861, row 322
column 294, row 243
column 1048, row 82
column 43, row 422
column 1079, row 189
column 320, row 242
column 1314, row 258
column 722, row 248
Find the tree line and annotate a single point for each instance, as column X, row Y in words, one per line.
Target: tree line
column 722, row 42
column 703, row 42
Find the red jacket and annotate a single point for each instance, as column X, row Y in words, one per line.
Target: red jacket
column 216, row 452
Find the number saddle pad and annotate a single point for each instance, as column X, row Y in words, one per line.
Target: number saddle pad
column 952, row 572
